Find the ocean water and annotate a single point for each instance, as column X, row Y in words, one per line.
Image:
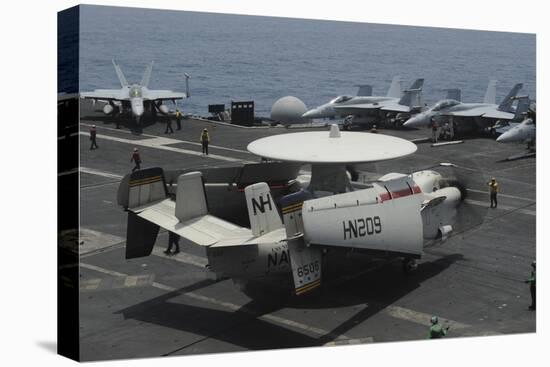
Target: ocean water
column 236, row 57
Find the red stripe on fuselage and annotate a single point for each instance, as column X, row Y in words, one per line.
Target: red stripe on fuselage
column 399, row 194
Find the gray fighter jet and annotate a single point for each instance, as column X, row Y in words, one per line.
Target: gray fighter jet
column 135, row 98
column 348, row 105
column 453, row 108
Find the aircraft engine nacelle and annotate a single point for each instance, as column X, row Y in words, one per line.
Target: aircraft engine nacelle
column 360, row 220
column 108, row 109
column 163, row 109
column 440, row 211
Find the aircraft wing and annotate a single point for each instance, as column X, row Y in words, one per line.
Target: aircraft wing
column 396, row 108
column 357, row 108
column 106, row 95
column 159, row 95
column 205, row 230
column 481, row 112
column 499, row 115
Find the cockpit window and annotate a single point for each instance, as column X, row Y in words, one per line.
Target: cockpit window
column 135, row 92
column 341, row 99
column 445, row 104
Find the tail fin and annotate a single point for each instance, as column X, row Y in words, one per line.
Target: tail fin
column 142, row 187
column 522, row 107
column 411, row 98
column 364, row 90
column 509, row 99
column 120, row 75
column 190, row 197
column 491, row 93
column 396, row 87
column 455, row 94
column 418, row 84
column 146, row 75
column 291, row 206
column 262, row 211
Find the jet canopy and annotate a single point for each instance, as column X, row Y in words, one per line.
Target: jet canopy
column 446, row 103
column 341, row 99
column 135, row 92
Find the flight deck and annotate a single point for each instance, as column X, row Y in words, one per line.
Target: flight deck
column 172, row 305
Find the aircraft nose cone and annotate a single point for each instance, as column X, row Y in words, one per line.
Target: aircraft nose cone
column 313, row 113
column 504, row 138
column 412, row 122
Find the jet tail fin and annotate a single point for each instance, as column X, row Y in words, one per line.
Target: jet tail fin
column 491, row 93
column 418, row 84
column 396, row 87
column 120, row 75
column 147, row 75
column 411, row 98
column 262, row 211
column 506, row 103
column 522, row 107
column 364, row 90
column 306, row 265
column 455, row 94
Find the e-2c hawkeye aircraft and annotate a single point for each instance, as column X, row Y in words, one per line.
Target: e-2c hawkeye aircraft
column 135, row 98
column 391, row 216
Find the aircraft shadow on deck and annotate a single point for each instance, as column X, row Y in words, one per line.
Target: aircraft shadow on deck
column 378, row 289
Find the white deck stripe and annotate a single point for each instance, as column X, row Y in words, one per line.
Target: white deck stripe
column 182, row 257
column 505, row 207
column 420, row 317
column 503, row 195
column 175, row 140
column 96, row 172
column 158, row 142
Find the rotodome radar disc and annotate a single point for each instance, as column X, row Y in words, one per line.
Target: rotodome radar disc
column 331, row 147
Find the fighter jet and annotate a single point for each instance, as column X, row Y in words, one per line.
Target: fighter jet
column 453, row 108
column 392, row 216
column 396, row 100
column 525, row 131
column 135, row 98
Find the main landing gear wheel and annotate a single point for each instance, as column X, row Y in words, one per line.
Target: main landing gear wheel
column 409, row 265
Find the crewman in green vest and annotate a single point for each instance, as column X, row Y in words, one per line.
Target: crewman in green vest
column 436, row 330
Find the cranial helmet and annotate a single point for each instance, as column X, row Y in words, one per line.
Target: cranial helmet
column 434, row 320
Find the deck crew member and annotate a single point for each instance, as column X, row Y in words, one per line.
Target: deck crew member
column 136, row 159
column 205, row 140
column 434, row 125
column 168, row 126
column 532, row 281
column 436, row 330
column 493, row 189
column 93, row 137
column 178, row 119
column 173, row 239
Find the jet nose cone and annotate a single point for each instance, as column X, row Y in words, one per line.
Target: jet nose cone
column 311, row 114
column 504, row 138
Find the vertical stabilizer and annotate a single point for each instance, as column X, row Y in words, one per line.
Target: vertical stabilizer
column 491, row 93
column 396, row 87
column 455, row 94
column 506, row 103
column 364, row 90
column 120, row 75
column 147, row 75
column 190, row 197
column 262, row 211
